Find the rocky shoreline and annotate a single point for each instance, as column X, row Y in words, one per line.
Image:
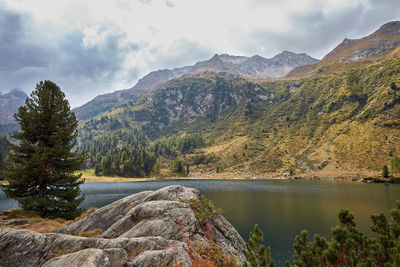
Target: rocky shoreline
column 151, row 228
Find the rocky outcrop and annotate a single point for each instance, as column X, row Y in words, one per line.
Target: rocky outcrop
column 152, row 228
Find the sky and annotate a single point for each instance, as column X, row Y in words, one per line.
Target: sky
column 94, row 47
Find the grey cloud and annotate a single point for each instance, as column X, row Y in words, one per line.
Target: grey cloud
column 181, row 53
column 89, row 71
column 94, row 60
column 316, row 32
column 82, row 72
column 15, row 52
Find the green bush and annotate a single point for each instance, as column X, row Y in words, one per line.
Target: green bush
column 204, row 209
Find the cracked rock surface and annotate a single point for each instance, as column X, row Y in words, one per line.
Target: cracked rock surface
column 151, row 228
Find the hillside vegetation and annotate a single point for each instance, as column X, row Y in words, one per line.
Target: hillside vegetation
column 345, row 121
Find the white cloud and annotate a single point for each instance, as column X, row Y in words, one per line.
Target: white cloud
column 94, row 35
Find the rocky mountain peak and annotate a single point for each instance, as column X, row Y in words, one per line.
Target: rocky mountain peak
column 214, row 64
column 215, row 58
column 257, row 57
column 233, row 59
column 287, row 61
column 373, row 46
column 9, row 104
column 346, row 40
column 389, row 28
column 287, row 53
column 18, row 93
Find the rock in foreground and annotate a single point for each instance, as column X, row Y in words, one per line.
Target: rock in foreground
column 152, row 228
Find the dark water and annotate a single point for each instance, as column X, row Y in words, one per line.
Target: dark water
column 282, row 208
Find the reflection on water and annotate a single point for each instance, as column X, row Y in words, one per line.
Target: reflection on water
column 282, row 208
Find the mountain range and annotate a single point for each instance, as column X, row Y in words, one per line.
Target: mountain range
column 275, row 67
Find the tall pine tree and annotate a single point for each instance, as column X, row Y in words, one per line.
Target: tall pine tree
column 43, row 177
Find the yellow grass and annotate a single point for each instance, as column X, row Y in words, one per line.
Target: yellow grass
column 93, row 178
column 41, row 225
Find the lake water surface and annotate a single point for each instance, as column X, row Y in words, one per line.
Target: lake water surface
column 282, row 208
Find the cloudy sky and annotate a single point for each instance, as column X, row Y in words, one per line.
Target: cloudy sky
column 93, row 47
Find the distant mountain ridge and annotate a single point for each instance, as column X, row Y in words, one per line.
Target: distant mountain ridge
column 274, row 67
column 156, row 79
column 382, row 41
column 369, row 49
column 9, row 104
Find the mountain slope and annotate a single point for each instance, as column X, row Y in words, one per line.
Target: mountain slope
column 275, row 67
column 353, row 53
column 103, row 103
column 373, row 46
column 181, row 99
column 9, row 104
column 155, row 79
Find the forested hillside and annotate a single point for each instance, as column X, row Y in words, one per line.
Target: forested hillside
column 349, row 121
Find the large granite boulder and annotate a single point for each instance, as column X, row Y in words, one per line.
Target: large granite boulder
column 28, row 248
column 152, row 228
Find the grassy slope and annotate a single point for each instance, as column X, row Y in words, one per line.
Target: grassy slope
column 328, row 125
column 35, row 223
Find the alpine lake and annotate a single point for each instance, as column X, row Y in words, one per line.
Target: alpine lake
column 282, row 208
